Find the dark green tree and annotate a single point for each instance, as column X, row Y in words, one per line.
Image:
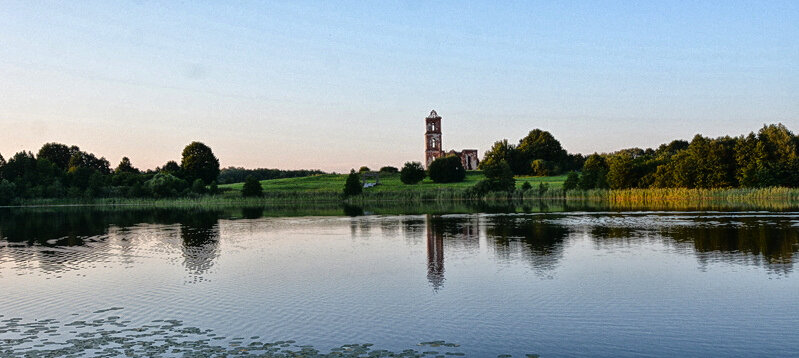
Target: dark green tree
column 252, row 188
column 572, row 181
column 199, row 162
column 503, row 150
column 389, row 170
column 412, row 173
column 541, row 145
column 125, row 167
column 164, row 185
column 526, row 186
column 447, row 169
column 171, row 167
column 353, row 184
column 595, row 172
column 58, row 154
column 8, row 192
column 364, row 169
column 499, row 177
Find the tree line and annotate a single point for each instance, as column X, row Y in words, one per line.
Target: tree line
column 767, row 158
column 231, row 175
column 61, row 171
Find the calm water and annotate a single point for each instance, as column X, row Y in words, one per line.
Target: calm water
column 551, row 284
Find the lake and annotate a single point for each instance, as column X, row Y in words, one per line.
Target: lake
column 350, row 281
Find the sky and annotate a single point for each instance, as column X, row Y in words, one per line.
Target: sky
column 335, row 85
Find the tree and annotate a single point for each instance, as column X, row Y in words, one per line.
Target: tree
column 595, row 171
column 252, row 188
column 171, row 167
column 499, row 177
column 540, row 167
column 353, row 184
column 2, row 163
column 165, row 185
column 364, row 169
column 58, row 154
column 199, row 162
column 389, row 170
column 541, row 145
column 572, row 181
column 448, row 169
column 81, row 159
column 125, row 167
column 412, row 173
column 8, row 191
column 502, row 150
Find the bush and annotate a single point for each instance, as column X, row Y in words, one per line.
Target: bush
column 526, row 186
column 412, row 173
column 542, row 188
column 213, row 189
column 364, row 169
column 198, row 186
column 353, row 185
column 165, row 185
column 447, row 169
column 572, row 181
column 389, row 170
column 499, row 176
column 252, row 188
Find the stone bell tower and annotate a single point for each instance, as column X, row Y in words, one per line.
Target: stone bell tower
column 432, row 137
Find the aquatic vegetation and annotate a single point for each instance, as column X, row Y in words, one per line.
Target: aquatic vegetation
column 112, row 336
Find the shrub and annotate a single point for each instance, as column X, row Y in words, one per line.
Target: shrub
column 499, row 177
column 198, row 186
column 572, row 181
column 542, row 188
column 447, row 169
column 353, row 185
column 389, row 170
column 412, row 173
column 526, row 186
column 364, row 169
column 165, row 185
column 252, row 188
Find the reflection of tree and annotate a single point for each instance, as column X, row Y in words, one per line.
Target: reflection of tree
column 39, row 234
column 252, row 212
column 771, row 245
column 200, row 236
column 529, row 238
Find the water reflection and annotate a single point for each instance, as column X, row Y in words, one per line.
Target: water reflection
column 199, row 235
column 528, row 238
column 57, row 240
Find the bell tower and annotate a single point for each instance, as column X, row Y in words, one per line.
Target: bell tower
column 432, row 137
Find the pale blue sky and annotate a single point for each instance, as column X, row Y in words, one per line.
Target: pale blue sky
column 336, row 85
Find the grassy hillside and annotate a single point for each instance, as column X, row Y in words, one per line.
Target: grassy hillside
column 334, row 183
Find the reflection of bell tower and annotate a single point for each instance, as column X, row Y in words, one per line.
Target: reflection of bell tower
column 435, row 254
column 432, row 138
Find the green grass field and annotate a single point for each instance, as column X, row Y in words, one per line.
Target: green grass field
column 334, row 183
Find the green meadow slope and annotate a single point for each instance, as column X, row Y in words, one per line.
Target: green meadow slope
column 390, row 183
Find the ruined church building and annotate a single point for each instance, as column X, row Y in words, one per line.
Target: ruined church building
column 434, row 149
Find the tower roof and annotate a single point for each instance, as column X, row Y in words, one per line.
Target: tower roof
column 433, row 114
